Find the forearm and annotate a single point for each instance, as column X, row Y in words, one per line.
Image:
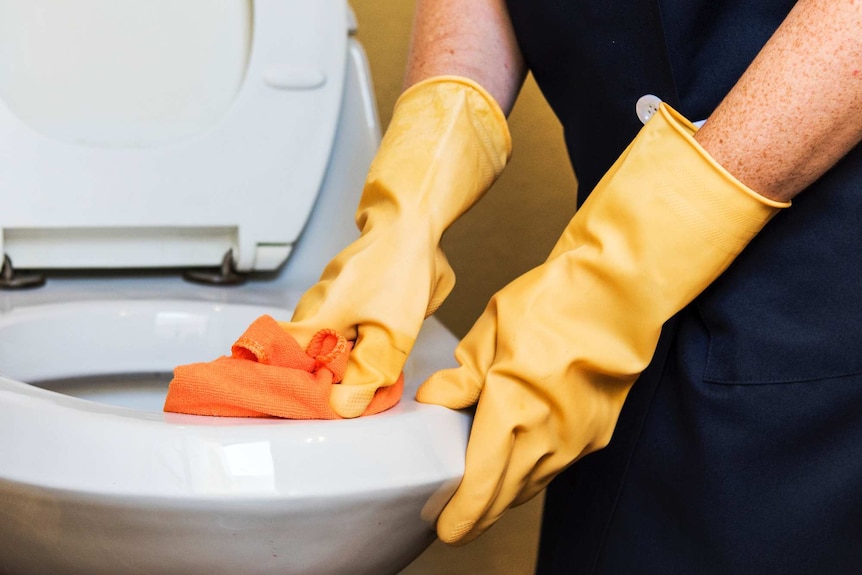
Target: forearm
column 470, row 38
column 798, row 108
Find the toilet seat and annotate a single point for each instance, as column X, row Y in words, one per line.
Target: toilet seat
column 89, row 488
column 96, row 448
column 247, row 184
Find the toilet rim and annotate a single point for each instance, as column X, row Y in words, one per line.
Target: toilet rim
column 56, row 441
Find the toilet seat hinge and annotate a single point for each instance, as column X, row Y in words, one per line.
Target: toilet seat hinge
column 225, row 275
column 10, row 279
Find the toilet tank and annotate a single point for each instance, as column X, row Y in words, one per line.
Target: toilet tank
column 166, row 134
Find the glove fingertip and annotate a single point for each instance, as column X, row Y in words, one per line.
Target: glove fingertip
column 455, row 534
column 452, row 528
column 452, row 388
column 351, row 401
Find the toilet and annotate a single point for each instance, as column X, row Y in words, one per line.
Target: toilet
column 170, row 171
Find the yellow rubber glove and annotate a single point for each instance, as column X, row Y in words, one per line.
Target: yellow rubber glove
column 553, row 356
column 446, row 143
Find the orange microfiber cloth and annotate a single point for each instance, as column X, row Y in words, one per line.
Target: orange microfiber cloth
column 269, row 375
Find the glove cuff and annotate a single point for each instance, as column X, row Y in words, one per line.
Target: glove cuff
column 447, row 142
column 730, row 212
column 489, row 121
column 686, row 129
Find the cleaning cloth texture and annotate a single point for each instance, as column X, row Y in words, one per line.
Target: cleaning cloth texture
column 268, row 374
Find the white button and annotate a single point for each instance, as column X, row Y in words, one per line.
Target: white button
column 646, row 107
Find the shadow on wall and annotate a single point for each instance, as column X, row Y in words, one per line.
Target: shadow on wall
column 517, row 223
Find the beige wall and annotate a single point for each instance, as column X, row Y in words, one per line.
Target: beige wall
column 518, row 221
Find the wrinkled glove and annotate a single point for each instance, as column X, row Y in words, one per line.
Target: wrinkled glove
column 552, row 358
column 446, row 144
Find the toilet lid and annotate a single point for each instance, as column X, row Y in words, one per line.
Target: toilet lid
column 246, row 182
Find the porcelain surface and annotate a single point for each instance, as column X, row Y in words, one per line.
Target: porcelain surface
column 89, row 487
column 94, row 478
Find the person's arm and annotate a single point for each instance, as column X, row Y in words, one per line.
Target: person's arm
column 445, row 145
column 467, row 38
column 798, row 108
column 550, row 362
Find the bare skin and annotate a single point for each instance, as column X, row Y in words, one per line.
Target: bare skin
column 798, row 108
column 471, row 39
column 795, row 112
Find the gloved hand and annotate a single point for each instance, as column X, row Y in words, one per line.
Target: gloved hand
column 446, row 143
column 553, row 356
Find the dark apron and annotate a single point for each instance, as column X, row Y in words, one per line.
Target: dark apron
column 740, row 448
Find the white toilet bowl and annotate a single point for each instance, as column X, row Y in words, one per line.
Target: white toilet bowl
column 94, row 477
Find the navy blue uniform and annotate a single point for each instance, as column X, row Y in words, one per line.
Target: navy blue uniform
column 740, row 448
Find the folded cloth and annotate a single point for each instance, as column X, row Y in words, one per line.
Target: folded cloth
column 268, row 374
